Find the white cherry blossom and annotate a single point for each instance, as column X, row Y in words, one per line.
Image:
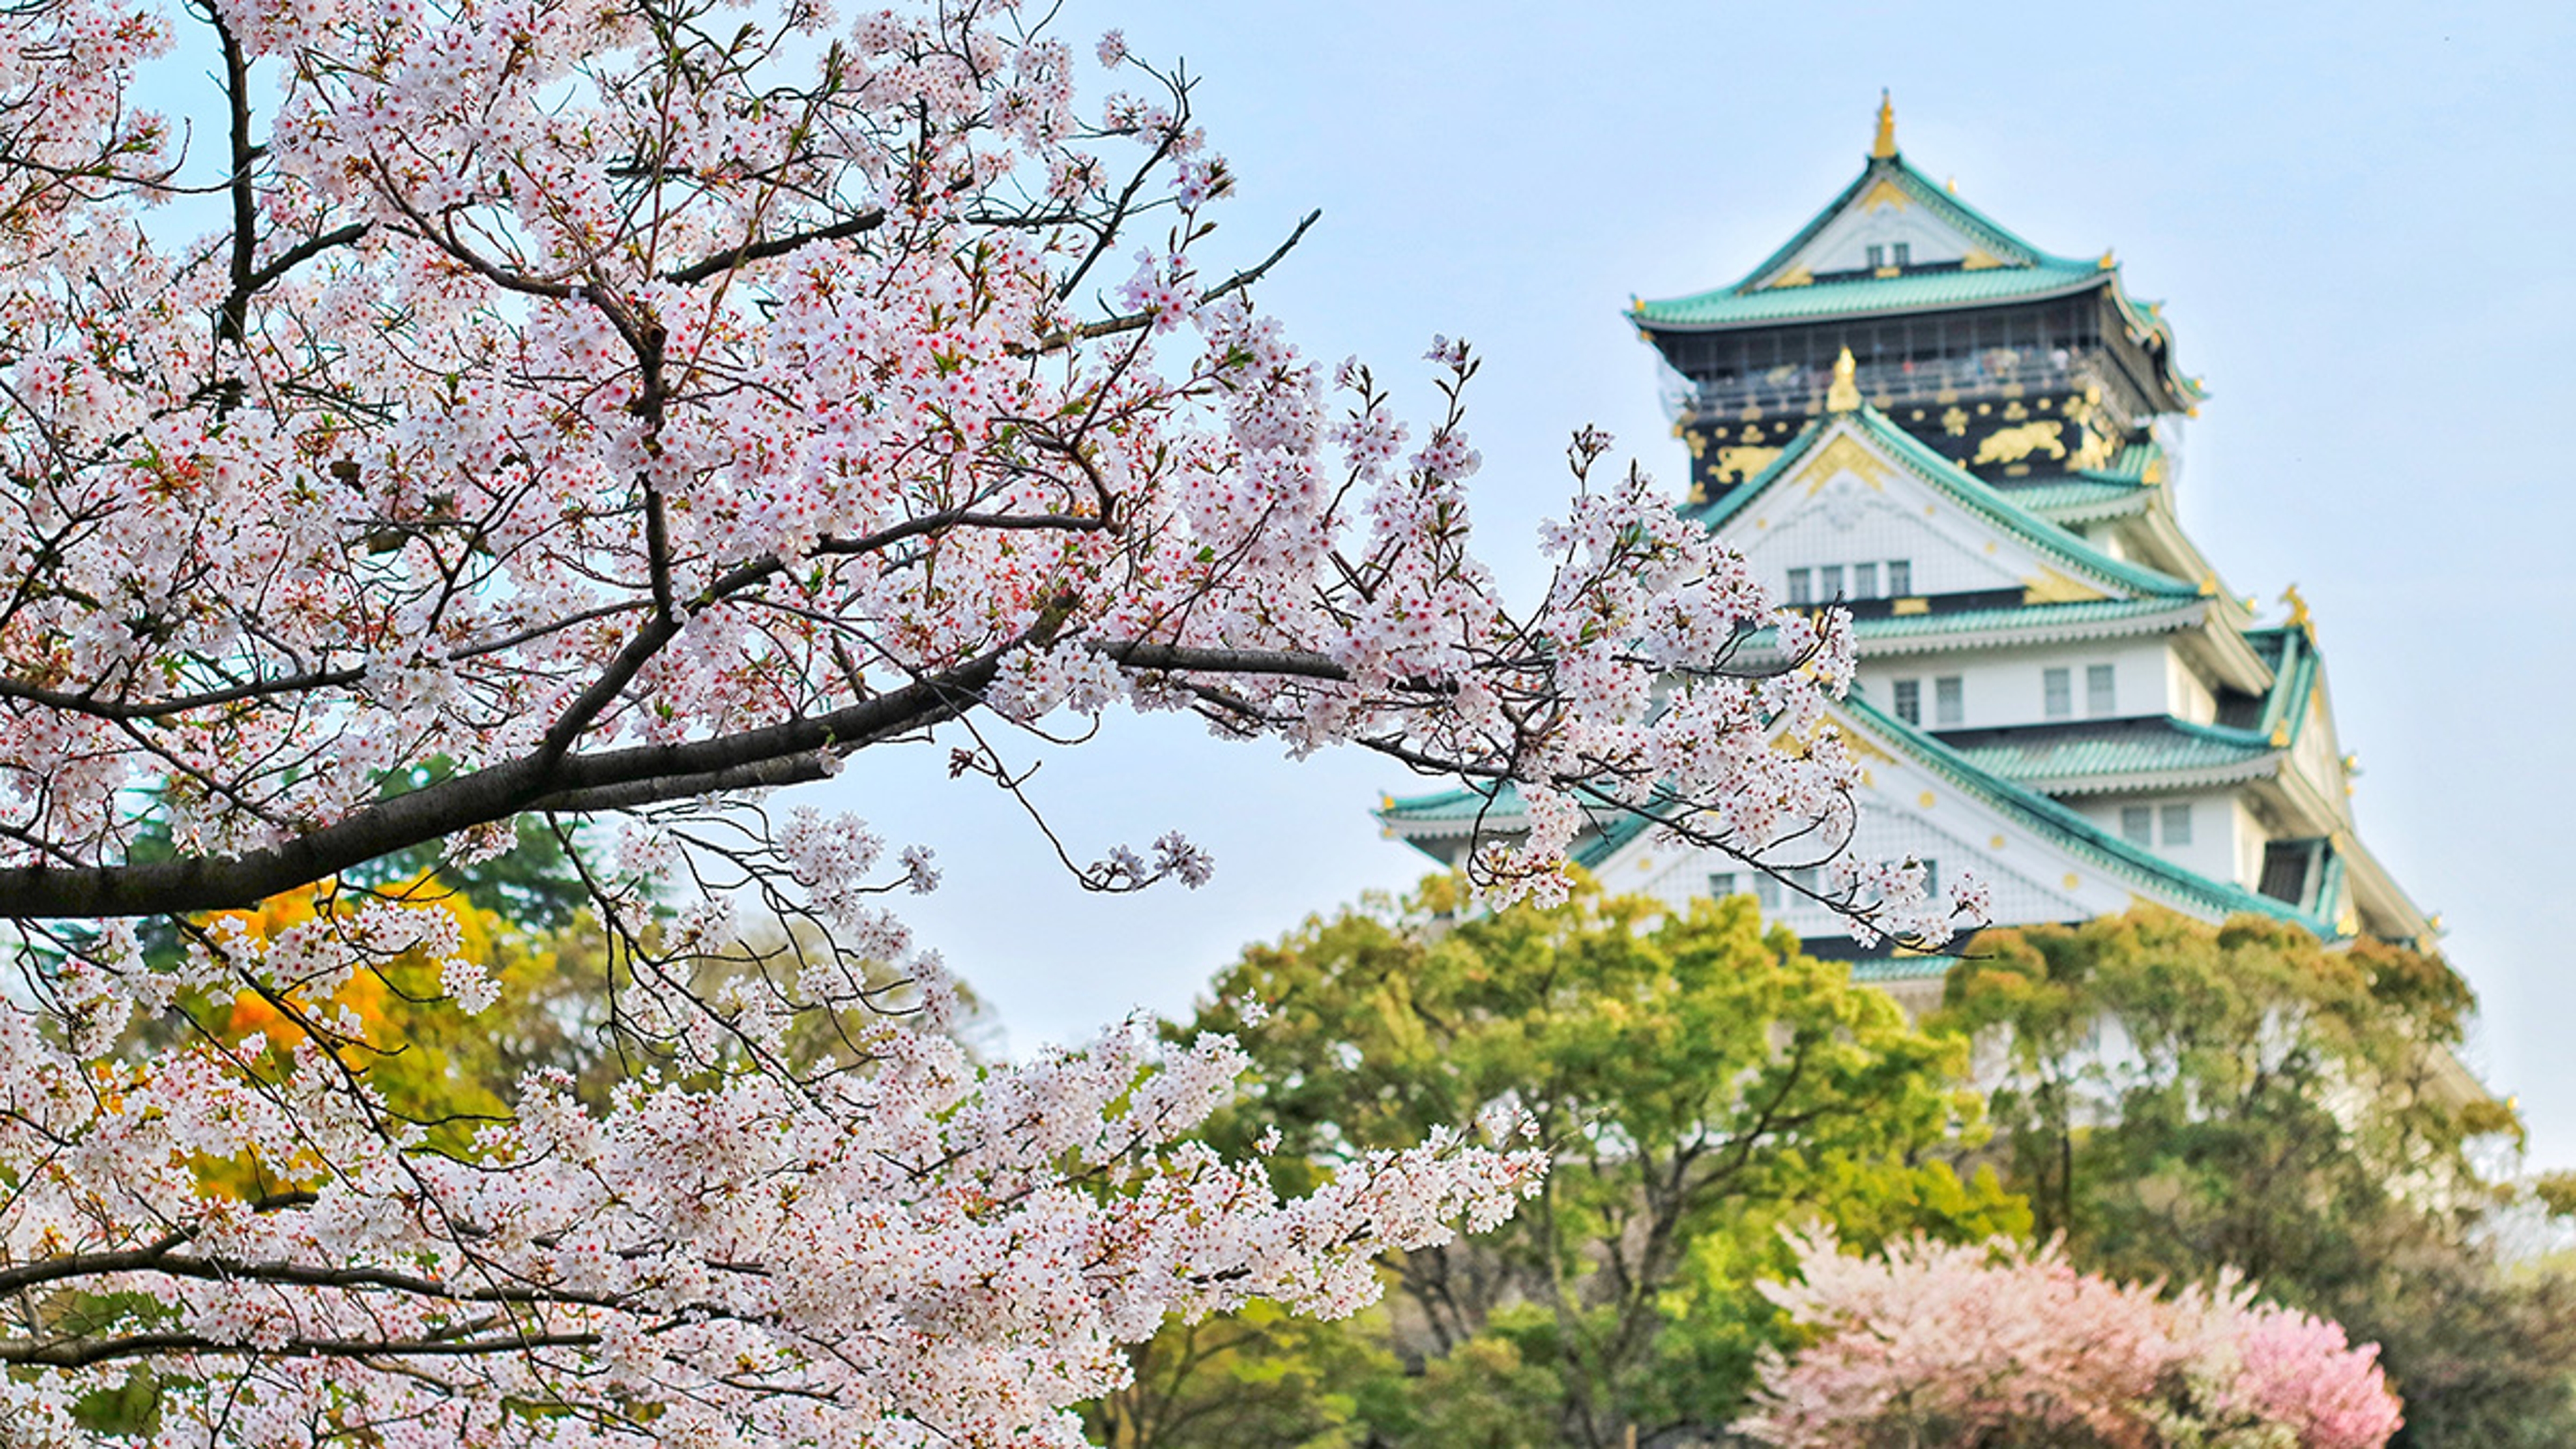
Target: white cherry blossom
column 613, row 412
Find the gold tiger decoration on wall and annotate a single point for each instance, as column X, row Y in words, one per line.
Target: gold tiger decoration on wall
column 2011, row 445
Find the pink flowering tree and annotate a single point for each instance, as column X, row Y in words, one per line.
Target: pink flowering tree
column 1998, row 1345
column 610, row 412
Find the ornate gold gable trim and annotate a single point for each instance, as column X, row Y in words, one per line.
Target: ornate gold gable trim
column 1885, row 194
column 1844, row 455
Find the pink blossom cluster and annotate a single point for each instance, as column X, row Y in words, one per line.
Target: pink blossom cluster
column 583, row 416
column 923, row 1254
column 1940, row 1343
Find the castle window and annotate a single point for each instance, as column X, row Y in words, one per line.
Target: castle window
column 1801, row 587
column 2177, row 823
column 1766, row 893
column 2285, row 870
column 1721, row 884
column 2057, row 688
column 1950, row 700
column 1877, row 257
column 1829, row 581
column 2137, row 825
column 1900, row 576
column 1865, row 581
column 2101, row 693
column 1931, row 876
column 1909, row 701
column 1901, row 254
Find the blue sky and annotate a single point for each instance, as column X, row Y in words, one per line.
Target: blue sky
column 2361, row 220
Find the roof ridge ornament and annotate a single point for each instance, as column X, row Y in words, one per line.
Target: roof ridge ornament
column 2299, row 616
column 1844, row 395
column 1883, row 146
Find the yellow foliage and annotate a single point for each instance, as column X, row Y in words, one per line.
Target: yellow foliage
column 368, row 993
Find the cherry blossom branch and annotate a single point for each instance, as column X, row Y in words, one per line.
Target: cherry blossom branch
column 1137, row 321
column 553, row 492
column 734, row 258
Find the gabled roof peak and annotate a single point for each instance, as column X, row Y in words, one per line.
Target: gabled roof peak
column 1864, row 423
column 1891, row 230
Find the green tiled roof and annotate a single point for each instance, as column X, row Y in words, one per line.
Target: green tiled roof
column 2079, row 835
column 2125, row 749
column 1862, row 296
column 2022, row 272
column 2027, row 616
column 2293, row 657
column 2131, row 465
column 1971, row 626
column 2036, row 812
column 1901, row 968
column 1462, row 804
column 1964, row 488
column 2079, row 496
column 2119, row 486
column 1500, row 806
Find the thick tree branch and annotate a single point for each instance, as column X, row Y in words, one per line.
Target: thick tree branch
column 305, row 251
column 233, row 325
column 791, row 752
column 202, row 883
column 727, row 260
column 1176, row 658
column 82, row 1352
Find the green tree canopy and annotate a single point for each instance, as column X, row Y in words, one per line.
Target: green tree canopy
column 2178, row 1098
column 1698, row 1084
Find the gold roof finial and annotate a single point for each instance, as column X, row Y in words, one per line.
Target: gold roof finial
column 1844, row 395
column 2298, row 610
column 1885, row 144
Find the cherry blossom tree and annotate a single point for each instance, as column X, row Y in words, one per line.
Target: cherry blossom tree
column 1998, row 1345
column 602, row 413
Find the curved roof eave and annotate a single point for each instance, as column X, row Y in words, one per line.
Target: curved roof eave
column 1869, row 297
column 2006, row 246
column 2152, row 780
column 2034, row 809
column 2077, row 833
column 2109, row 625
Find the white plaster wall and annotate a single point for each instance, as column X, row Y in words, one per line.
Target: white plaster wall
column 1872, row 514
column 2189, row 696
column 2250, row 840
column 2106, row 537
column 2220, row 830
column 2318, row 754
column 1848, row 522
column 2009, row 686
column 1844, row 243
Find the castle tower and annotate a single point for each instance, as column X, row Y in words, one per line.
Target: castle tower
column 2008, row 360
column 1911, row 413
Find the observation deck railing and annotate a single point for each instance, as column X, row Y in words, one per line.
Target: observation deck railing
column 1794, row 388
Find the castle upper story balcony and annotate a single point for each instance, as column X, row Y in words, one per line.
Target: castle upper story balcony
column 1995, row 373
